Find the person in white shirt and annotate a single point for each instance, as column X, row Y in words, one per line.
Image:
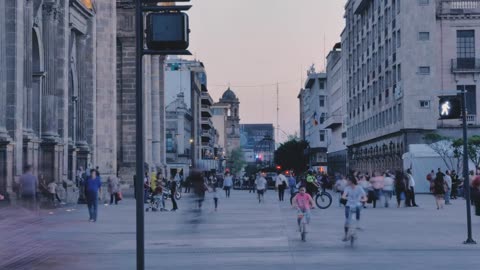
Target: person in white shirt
column 261, row 184
column 388, row 185
column 281, row 184
column 448, row 192
column 411, row 190
column 52, row 189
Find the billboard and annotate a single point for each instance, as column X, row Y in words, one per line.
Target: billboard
column 251, row 136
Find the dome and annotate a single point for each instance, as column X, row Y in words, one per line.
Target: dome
column 229, row 95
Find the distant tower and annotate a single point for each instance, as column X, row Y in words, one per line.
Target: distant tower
column 233, row 119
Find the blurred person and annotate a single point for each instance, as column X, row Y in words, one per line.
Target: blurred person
column 93, row 186
column 113, row 189
column 52, row 190
column 377, row 182
column 439, row 188
column 251, row 183
column 281, row 183
column 261, row 184
column 410, row 189
column 173, row 190
column 449, row 183
column 400, row 187
column 355, row 196
column 199, row 186
column 388, row 187
column 292, row 184
column 311, row 184
column 28, row 186
column 340, row 186
column 227, row 184
column 455, row 185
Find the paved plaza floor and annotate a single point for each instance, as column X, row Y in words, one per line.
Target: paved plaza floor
column 242, row 234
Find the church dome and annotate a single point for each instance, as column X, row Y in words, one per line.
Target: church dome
column 229, row 95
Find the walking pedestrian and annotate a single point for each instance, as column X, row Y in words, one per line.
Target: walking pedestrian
column 28, row 187
column 340, row 186
column 227, row 184
column 281, row 184
column 378, row 184
column 261, row 184
column 448, row 191
column 173, row 191
column 199, row 186
column 388, row 187
column 438, row 189
column 411, row 189
column 251, row 183
column 113, row 189
column 292, row 184
column 52, row 190
column 400, row 187
column 355, row 196
column 93, row 186
column 215, row 195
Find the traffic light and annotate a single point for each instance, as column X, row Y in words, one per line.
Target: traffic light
column 450, row 107
column 279, row 167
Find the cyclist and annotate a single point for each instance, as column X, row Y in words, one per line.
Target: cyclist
column 355, row 196
column 312, row 186
column 303, row 202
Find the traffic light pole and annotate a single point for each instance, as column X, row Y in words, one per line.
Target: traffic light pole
column 466, row 181
column 139, row 29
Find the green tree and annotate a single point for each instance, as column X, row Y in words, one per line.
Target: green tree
column 474, row 150
column 457, row 145
column 291, row 155
column 236, row 160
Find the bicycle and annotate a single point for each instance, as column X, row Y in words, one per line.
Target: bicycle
column 323, row 199
column 352, row 227
column 302, row 226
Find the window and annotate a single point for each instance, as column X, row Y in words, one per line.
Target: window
column 399, row 72
column 423, row 2
column 424, row 70
column 425, row 104
column 399, row 39
column 322, row 101
column 471, row 98
column 423, row 36
column 322, row 118
column 321, row 84
column 466, row 49
column 322, row 135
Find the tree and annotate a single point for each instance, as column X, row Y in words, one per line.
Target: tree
column 474, row 150
column 291, row 155
column 236, row 160
column 457, row 145
column 443, row 146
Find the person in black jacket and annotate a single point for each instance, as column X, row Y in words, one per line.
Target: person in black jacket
column 400, row 187
column 173, row 190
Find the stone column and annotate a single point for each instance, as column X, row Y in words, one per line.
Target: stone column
column 156, row 128
column 82, row 92
column 3, row 75
column 49, row 116
column 27, row 98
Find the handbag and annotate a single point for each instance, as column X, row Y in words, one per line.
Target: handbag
column 343, row 201
column 119, row 196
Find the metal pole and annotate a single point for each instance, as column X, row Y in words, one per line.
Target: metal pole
column 466, row 181
column 139, row 136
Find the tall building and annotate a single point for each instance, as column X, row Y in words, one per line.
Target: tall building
column 57, row 82
column 232, row 125
column 399, row 56
column 336, row 113
column 313, row 114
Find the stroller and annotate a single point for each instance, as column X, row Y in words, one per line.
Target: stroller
column 156, row 201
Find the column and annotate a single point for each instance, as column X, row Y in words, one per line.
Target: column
column 28, row 98
column 82, row 92
column 49, row 123
column 3, row 75
column 156, row 128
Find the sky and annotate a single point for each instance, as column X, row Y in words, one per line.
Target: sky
column 253, row 44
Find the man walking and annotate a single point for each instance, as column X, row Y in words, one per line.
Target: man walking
column 281, row 184
column 448, row 192
column 411, row 190
column 92, row 187
column 28, row 188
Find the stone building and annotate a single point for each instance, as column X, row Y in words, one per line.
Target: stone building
column 232, row 124
column 399, row 56
column 57, row 87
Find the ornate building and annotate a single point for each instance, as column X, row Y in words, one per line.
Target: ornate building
column 57, row 83
column 232, row 125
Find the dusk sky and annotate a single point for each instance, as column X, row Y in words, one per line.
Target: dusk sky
column 252, row 44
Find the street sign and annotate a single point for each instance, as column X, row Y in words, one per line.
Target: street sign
column 450, row 107
column 167, row 31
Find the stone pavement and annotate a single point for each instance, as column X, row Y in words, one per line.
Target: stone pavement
column 241, row 235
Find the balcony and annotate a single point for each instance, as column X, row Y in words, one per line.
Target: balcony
column 333, row 121
column 466, row 65
column 457, row 7
column 206, row 99
column 206, row 123
column 206, row 136
column 471, row 120
column 206, row 111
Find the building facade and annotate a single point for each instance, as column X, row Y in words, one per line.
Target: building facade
column 336, row 113
column 232, row 124
column 313, row 113
column 399, row 56
column 258, row 143
column 57, row 81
